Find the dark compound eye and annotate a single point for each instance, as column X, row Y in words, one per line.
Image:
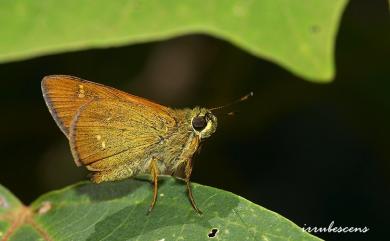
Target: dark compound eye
column 199, row 123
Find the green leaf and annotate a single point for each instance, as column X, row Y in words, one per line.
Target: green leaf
column 298, row 35
column 117, row 211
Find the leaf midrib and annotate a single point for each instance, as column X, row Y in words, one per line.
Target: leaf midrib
column 19, row 217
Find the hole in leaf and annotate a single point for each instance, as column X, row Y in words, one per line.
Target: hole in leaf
column 213, row 233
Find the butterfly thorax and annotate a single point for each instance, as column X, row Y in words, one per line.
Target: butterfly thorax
column 192, row 127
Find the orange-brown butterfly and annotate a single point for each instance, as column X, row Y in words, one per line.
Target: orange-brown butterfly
column 117, row 135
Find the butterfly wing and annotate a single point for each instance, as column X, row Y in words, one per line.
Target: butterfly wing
column 105, row 134
column 64, row 95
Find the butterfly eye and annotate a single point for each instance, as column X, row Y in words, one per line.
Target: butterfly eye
column 199, row 123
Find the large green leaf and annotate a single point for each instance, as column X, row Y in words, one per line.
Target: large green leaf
column 298, row 35
column 117, row 211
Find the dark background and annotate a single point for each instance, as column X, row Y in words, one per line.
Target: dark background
column 311, row 152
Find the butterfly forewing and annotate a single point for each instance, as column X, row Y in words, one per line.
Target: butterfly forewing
column 106, row 133
column 64, row 95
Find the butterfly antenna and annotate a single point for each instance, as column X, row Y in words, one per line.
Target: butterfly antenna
column 243, row 98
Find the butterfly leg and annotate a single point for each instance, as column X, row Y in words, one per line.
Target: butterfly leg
column 188, row 171
column 154, row 172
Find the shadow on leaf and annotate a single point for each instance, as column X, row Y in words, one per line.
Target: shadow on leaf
column 172, row 211
column 109, row 190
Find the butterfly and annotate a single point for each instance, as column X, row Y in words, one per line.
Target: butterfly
column 116, row 135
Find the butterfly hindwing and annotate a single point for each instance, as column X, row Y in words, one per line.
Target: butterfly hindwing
column 105, row 133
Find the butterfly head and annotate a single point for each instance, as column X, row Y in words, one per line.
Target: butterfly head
column 203, row 122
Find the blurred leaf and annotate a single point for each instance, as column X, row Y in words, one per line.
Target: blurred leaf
column 298, row 35
column 117, row 211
